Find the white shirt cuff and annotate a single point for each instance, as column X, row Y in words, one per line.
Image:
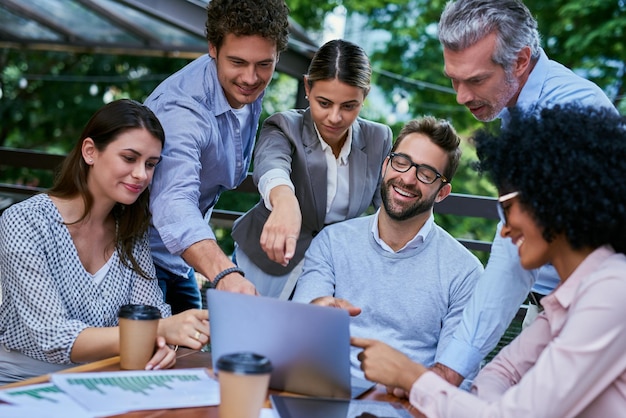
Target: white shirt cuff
column 273, row 178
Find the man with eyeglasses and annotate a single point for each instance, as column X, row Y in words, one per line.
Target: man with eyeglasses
column 403, row 278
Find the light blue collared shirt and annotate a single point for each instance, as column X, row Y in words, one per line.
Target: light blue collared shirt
column 205, row 154
column 551, row 83
column 505, row 284
column 415, row 242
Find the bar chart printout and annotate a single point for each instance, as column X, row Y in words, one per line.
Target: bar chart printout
column 40, row 400
column 140, row 390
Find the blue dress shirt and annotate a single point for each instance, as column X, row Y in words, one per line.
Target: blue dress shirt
column 505, row 284
column 205, row 154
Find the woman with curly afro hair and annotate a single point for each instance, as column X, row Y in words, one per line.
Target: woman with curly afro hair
column 563, row 199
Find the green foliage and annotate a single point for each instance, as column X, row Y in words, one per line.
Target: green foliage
column 48, row 96
column 311, row 17
column 589, row 36
column 281, row 94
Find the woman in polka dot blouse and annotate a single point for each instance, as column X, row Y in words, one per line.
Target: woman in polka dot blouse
column 70, row 258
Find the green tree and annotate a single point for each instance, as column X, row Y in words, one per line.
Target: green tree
column 48, row 96
column 589, row 36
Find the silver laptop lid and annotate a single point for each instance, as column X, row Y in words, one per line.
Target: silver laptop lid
column 308, row 345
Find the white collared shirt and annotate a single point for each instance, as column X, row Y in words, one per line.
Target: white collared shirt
column 337, row 180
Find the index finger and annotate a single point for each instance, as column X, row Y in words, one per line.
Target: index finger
column 290, row 246
column 201, row 314
column 361, row 342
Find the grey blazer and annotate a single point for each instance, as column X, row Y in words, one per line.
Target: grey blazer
column 288, row 141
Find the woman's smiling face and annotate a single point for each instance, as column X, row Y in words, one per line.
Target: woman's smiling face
column 534, row 251
column 124, row 169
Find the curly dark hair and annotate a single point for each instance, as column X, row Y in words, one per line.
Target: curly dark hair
column 266, row 18
column 568, row 163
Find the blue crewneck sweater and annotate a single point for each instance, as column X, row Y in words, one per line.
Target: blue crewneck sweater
column 412, row 299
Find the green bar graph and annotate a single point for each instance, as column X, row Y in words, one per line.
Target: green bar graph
column 39, row 393
column 135, row 384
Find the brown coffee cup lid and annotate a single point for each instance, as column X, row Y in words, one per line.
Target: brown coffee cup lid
column 244, row 363
column 143, row 312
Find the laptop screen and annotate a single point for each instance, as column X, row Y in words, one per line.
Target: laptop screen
column 308, row 345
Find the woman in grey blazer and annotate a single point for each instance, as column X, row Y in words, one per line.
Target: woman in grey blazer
column 313, row 167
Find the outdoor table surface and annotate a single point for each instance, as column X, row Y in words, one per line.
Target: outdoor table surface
column 187, row 358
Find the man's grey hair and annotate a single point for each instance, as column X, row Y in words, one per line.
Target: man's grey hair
column 465, row 22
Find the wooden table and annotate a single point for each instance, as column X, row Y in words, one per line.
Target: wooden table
column 187, row 358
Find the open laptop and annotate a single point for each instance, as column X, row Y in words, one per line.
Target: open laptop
column 308, row 345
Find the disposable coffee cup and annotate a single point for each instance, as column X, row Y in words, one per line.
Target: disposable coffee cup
column 138, row 331
column 244, row 379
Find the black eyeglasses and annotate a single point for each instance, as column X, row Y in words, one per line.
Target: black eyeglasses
column 503, row 211
column 424, row 173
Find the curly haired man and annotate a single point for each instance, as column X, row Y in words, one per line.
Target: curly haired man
column 210, row 112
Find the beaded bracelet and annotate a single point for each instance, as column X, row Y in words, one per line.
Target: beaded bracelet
column 225, row 273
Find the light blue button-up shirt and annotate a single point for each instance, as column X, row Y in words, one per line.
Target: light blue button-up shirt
column 204, row 155
column 505, row 284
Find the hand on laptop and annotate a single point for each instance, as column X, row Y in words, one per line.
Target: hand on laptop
column 337, row 303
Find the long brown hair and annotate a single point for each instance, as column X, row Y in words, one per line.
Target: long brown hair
column 104, row 127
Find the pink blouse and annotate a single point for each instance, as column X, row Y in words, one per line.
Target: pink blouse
column 571, row 362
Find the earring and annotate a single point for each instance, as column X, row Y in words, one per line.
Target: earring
column 90, row 161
